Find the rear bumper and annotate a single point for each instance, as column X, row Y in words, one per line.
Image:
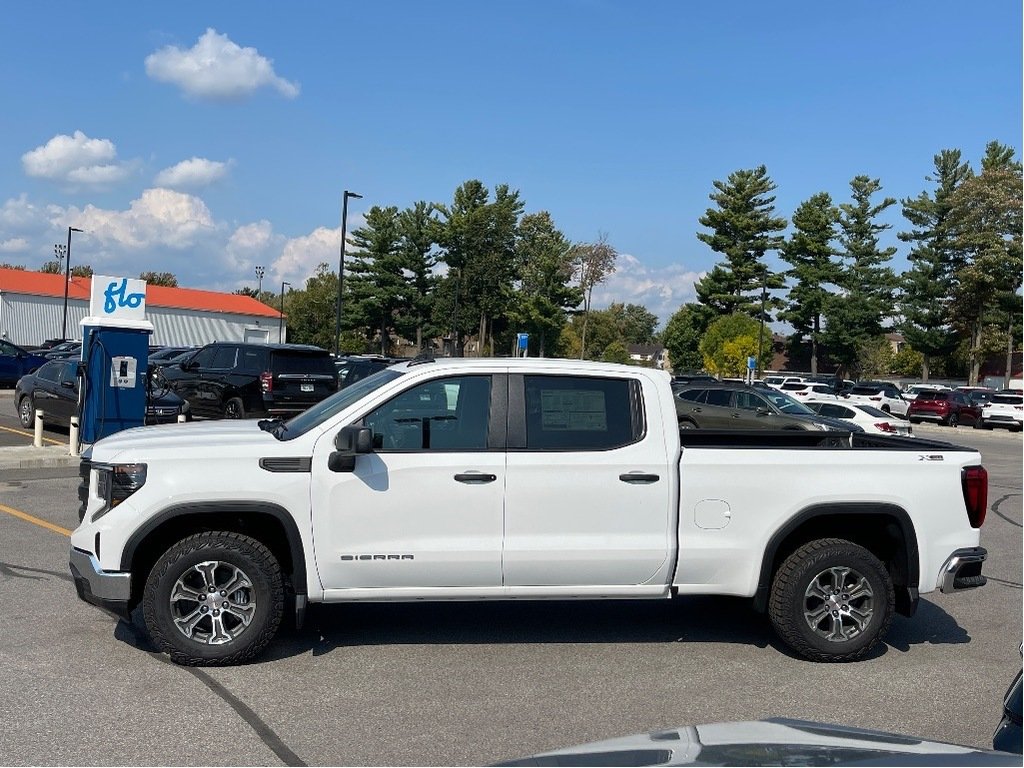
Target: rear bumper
column 962, row 570
column 109, row 590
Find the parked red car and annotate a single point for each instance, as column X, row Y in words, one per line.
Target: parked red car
column 949, row 408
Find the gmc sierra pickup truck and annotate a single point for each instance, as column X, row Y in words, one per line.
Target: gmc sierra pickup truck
column 493, row 479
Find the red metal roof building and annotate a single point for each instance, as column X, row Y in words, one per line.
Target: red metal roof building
column 32, row 310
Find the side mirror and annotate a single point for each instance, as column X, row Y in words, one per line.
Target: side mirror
column 350, row 442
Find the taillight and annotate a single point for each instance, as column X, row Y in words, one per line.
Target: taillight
column 267, row 381
column 885, row 426
column 975, row 484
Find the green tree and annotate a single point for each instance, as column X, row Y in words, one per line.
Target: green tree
column 743, row 229
column 636, row 323
column 544, row 266
column 682, row 336
column 810, row 252
column 616, row 352
column 602, row 331
column 418, row 231
column 855, row 317
column 728, row 342
column 51, row 268
column 907, row 362
column 310, row 310
column 985, row 229
column 160, row 278
column 478, row 239
column 594, row 263
column 19, row 267
column 376, row 288
column 875, row 357
column 926, row 286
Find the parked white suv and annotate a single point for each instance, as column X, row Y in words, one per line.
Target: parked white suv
column 884, row 395
column 1005, row 409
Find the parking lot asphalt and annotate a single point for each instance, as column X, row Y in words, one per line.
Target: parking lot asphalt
column 451, row 684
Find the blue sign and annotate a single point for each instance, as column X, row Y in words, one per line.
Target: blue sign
column 522, row 340
column 120, row 298
column 124, row 299
column 751, row 363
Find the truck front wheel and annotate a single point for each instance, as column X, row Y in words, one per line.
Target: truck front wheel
column 214, row 598
column 831, row 600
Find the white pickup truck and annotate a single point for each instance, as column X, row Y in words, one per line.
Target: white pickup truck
column 493, row 479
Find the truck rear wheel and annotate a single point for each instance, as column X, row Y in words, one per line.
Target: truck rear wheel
column 214, row 598
column 831, row 600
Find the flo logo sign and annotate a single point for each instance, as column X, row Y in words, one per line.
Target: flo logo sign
column 118, row 298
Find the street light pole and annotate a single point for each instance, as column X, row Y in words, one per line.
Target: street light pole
column 259, row 284
column 341, row 266
column 280, row 324
column 67, row 280
column 760, row 332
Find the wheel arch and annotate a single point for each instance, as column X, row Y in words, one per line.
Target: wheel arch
column 884, row 529
column 269, row 523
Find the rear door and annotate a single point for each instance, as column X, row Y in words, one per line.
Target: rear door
column 588, row 495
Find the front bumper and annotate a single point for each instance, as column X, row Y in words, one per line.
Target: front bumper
column 962, row 570
column 109, row 590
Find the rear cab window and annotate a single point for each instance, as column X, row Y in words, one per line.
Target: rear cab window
column 577, row 413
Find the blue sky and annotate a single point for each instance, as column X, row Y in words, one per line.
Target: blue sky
column 204, row 139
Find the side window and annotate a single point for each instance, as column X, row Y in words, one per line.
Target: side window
column 693, row 395
column 224, row 358
column 835, row 411
column 50, row 372
column 6, row 348
column 567, row 413
column 204, row 356
column 69, row 372
column 441, row 415
column 251, row 360
column 749, row 401
column 720, row 397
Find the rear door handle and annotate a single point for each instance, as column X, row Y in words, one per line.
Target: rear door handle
column 637, row 478
column 477, row 478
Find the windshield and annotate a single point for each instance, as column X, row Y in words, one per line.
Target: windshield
column 787, row 404
column 334, row 404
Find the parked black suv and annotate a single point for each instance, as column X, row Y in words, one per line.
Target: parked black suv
column 234, row 380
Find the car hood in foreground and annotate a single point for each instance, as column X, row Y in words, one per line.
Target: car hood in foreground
column 767, row 742
column 242, row 436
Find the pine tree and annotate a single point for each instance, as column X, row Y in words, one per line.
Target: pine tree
column 376, row 286
column 855, row 317
column 418, row 229
column 926, row 286
column 810, row 252
column 743, row 227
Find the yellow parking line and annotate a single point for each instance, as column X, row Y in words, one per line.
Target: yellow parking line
column 30, row 434
column 34, row 520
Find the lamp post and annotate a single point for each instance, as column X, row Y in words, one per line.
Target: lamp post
column 760, row 332
column 280, row 325
column 341, row 265
column 259, row 284
column 67, row 281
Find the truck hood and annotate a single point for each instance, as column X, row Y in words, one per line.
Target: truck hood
column 212, row 436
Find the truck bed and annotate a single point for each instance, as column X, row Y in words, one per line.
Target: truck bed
column 736, row 438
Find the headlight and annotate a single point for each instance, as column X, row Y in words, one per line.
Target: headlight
column 116, row 483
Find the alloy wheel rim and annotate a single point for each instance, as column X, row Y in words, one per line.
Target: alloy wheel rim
column 838, row 604
column 213, row 602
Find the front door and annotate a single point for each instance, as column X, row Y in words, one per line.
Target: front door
column 589, row 491
column 425, row 509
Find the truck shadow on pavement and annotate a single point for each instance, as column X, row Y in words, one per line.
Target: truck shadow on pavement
column 696, row 619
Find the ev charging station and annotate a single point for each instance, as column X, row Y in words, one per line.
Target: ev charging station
column 115, row 357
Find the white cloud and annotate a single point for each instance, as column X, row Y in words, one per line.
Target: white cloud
column 14, row 245
column 300, row 256
column 158, row 217
column 76, row 158
column 194, row 172
column 661, row 289
column 217, row 69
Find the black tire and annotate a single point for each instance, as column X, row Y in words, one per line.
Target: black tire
column 796, row 590
column 953, row 420
column 26, row 412
column 234, row 408
column 233, row 554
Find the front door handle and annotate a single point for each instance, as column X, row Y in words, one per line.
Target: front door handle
column 477, row 478
column 636, row 477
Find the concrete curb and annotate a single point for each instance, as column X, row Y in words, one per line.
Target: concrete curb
column 30, row 457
